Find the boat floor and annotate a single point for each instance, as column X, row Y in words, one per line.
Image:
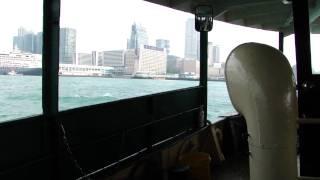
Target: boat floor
column 232, row 169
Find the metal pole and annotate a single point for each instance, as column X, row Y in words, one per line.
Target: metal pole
column 281, row 37
column 50, row 57
column 302, row 43
column 50, row 67
column 204, row 70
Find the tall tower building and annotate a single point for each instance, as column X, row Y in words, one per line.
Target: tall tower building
column 25, row 41
column 67, row 46
column 210, row 54
column 38, row 43
column 192, row 41
column 18, row 40
column 28, row 42
column 138, row 37
column 216, row 54
column 213, row 54
column 163, row 43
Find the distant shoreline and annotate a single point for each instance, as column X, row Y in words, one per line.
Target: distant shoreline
column 126, row 77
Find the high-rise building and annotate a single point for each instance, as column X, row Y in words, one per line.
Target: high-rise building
column 27, row 41
column 18, row 40
column 152, row 60
column 213, row 54
column 210, row 54
column 38, row 43
column 138, row 37
column 163, row 43
column 192, row 41
column 67, row 46
column 216, row 54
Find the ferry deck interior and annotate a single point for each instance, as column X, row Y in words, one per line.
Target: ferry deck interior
column 274, row 136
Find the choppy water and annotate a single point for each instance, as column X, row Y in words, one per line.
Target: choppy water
column 20, row 96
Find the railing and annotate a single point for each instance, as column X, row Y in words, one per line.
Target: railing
column 98, row 137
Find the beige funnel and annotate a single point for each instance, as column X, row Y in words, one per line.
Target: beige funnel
column 261, row 86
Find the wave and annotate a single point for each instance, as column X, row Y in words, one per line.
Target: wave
column 88, row 96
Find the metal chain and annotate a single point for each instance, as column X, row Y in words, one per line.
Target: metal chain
column 69, row 151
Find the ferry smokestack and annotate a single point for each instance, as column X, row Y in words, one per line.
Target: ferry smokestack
column 261, row 86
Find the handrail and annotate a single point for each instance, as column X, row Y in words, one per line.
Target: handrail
column 308, row 178
column 309, row 120
column 145, row 151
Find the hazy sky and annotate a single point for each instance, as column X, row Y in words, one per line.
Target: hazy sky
column 106, row 25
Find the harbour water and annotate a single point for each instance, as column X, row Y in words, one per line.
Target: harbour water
column 20, row 96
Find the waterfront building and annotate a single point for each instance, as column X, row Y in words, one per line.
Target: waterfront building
column 192, row 41
column 67, row 46
column 163, row 43
column 190, row 66
column 130, row 61
column 84, row 70
column 173, row 64
column 152, row 60
column 114, row 58
column 86, row 58
column 216, row 71
column 138, row 37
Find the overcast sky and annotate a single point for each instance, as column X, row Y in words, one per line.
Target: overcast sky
column 106, row 25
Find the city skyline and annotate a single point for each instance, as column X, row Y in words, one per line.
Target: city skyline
column 28, row 41
column 97, row 28
column 68, row 42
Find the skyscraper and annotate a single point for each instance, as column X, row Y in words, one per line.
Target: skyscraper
column 27, row 41
column 210, row 54
column 138, row 37
column 213, row 54
column 192, row 41
column 18, row 40
column 163, row 43
column 67, row 46
column 38, row 43
column 216, row 54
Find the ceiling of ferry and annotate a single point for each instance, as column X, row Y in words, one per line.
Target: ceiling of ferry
column 275, row 15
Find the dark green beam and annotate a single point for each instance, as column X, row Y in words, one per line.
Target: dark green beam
column 50, row 57
column 204, row 70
